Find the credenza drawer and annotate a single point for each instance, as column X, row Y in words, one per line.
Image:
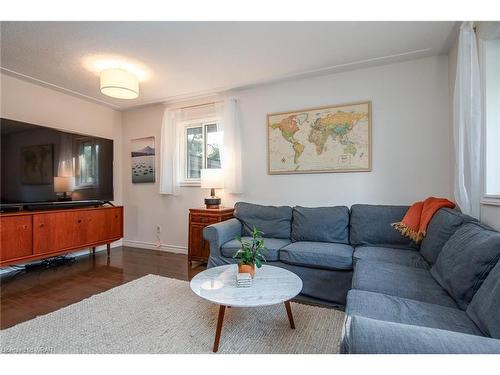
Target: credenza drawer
column 17, row 237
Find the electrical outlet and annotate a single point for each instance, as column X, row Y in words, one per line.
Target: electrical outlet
column 158, row 229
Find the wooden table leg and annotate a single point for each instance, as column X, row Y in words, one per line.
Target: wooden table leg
column 108, row 249
column 222, row 309
column 289, row 313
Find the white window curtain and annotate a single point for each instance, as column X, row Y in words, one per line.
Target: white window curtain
column 467, row 123
column 169, row 153
column 172, row 135
column 228, row 112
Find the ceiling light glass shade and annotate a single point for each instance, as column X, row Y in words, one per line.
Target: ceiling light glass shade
column 119, row 83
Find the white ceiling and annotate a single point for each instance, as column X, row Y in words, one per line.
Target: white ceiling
column 194, row 58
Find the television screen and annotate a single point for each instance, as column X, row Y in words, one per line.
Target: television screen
column 42, row 164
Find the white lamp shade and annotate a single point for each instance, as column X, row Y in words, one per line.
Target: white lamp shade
column 64, row 184
column 212, row 178
column 119, row 83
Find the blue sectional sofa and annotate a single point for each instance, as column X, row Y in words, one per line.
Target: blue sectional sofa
column 311, row 242
column 440, row 297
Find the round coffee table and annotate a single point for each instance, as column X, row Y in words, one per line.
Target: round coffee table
column 271, row 285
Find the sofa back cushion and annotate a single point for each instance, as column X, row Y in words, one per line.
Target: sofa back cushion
column 484, row 309
column 321, row 224
column 371, row 225
column 466, row 260
column 274, row 222
column 441, row 227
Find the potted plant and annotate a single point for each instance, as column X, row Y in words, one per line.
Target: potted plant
column 251, row 253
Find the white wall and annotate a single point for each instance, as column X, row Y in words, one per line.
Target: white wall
column 145, row 208
column 411, row 147
column 27, row 102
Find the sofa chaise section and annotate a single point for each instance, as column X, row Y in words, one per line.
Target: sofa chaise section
column 407, row 311
column 370, row 336
column 453, row 307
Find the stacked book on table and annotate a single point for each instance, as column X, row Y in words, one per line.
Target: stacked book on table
column 243, row 280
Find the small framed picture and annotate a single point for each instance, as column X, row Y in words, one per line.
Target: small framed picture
column 143, row 160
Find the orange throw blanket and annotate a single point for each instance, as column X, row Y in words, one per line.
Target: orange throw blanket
column 418, row 216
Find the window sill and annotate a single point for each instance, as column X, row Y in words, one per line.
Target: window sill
column 491, row 200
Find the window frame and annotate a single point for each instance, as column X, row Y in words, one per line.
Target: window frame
column 486, row 199
column 184, row 180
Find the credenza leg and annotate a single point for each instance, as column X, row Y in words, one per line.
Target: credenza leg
column 93, row 250
column 108, row 249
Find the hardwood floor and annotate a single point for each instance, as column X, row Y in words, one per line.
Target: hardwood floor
column 28, row 294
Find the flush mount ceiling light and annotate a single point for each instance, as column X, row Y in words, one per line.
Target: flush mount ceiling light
column 119, row 83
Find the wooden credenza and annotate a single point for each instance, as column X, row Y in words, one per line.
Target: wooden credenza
column 31, row 235
column 199, row 218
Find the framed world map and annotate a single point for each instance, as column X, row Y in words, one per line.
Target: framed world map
column 326, row 139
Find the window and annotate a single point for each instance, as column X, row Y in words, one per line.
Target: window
column 202, row 144
column 87, row 163
column 491, row 79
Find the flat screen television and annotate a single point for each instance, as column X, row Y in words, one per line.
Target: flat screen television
column 34, row 156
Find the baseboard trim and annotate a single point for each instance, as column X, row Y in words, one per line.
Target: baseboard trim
column 153, row 246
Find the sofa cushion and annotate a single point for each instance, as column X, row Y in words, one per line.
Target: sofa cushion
column 370, row 336
column 371, row 225
column 400, row 281
column 323, row 255
column 465, row 261
column 441, row 227
column 321, row 224
column 484, row 309
column 274, row 222
column 404, row 257
column 273, row 245
column 407, row 311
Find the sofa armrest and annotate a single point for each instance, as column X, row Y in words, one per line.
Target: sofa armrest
column 370, row 336
column 220, row 233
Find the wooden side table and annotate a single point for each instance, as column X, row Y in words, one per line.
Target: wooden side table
column 199, row 218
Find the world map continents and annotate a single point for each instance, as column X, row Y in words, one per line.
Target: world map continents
column 332, row 139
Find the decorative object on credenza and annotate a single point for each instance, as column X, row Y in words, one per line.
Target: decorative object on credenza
column 62, row 186
column 37, row 165
column 326, row 139
column 143, row 160
column 251, row 253
column 212, row 178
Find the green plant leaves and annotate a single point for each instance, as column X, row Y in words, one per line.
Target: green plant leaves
column 251, row 251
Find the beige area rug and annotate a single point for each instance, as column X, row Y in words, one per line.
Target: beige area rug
column 155, row 314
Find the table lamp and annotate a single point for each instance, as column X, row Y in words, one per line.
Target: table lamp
column 64, row 185
column 212, row 179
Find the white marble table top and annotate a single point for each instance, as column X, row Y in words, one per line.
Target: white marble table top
column 271, row 285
